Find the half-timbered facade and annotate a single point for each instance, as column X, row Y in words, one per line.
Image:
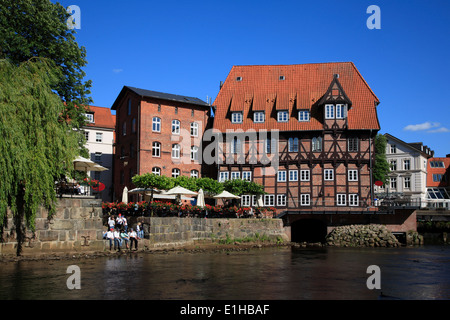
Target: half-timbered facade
column 303, row 131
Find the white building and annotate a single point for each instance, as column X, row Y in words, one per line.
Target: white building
column 408, row 175
column 100, row 139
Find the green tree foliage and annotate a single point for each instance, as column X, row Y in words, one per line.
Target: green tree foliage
column 38, row 28
column 35, row 146
column 381, row 166
column 240, row 187
column 152, row 181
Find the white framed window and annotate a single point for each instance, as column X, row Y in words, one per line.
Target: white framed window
column 194, row 129
column 352, row 175
column 156, row 124
column 305, row 175
column 98, row 137
column 156, row 149
column 86, row 135
column 293, row 144
column 353, row 200
column 281, row 200
column 303, row 115
column 176, row 151
column 316, row 144
column 269, row 200
column 329, row 111
column 259, row 117
column 282, row 116
column 235, row 175
column 156, row 170
column 194, row 153
column 393, row 183
column 236, row 117
column 175, row 126
column 281, row 176
column 393, row 148
column 328, row 174
column 194, row 174
column 223, row 176
column 341, row 199
column 406, row 164
column 305, row 199
column 247, row 175
column 393, row 165
column 89, row 117
column 341, row 111
column 175, row 172
column 293, row 175
column 246, row 200
column 407, row 182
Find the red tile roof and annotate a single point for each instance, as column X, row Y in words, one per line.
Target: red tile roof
column 260, row 89
column 103, row 118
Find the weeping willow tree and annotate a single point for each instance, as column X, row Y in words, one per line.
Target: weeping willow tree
column 36, row 145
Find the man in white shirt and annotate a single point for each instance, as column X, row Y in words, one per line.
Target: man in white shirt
column 133, row 238
column 110, row 237
column 117, row 240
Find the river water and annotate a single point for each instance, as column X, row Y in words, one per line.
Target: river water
column 418, row 273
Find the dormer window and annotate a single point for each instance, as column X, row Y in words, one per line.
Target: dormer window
column 282, row 78
column 303, row 115
column 259, row 117
column 341, row 111
column 89, row 117
column 283, row 116
column 236, row 117
column 338, row 111
column 238, row 78
column 329, row 111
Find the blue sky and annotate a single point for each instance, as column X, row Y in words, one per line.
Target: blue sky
column 188, row 47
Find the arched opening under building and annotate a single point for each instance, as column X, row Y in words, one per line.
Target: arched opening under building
column 308, row 230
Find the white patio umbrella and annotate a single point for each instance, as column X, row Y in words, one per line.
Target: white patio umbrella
column 178, row 191
column 226, row 195
column 125, row 195
column 83, row 164
column 201, row 198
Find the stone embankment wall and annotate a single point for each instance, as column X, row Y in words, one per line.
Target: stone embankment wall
column 75, row 227
column 163, row 232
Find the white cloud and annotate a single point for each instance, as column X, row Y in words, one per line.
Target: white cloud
column 441, row 129
column 117, row 70
column 422, row 126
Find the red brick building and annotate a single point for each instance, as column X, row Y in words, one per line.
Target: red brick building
column 157, row 132
column 314, row 126
column 438, row 182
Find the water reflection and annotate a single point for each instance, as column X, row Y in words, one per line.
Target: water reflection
column 266, row 274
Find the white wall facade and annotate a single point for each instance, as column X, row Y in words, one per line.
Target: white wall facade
column 101, row 152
